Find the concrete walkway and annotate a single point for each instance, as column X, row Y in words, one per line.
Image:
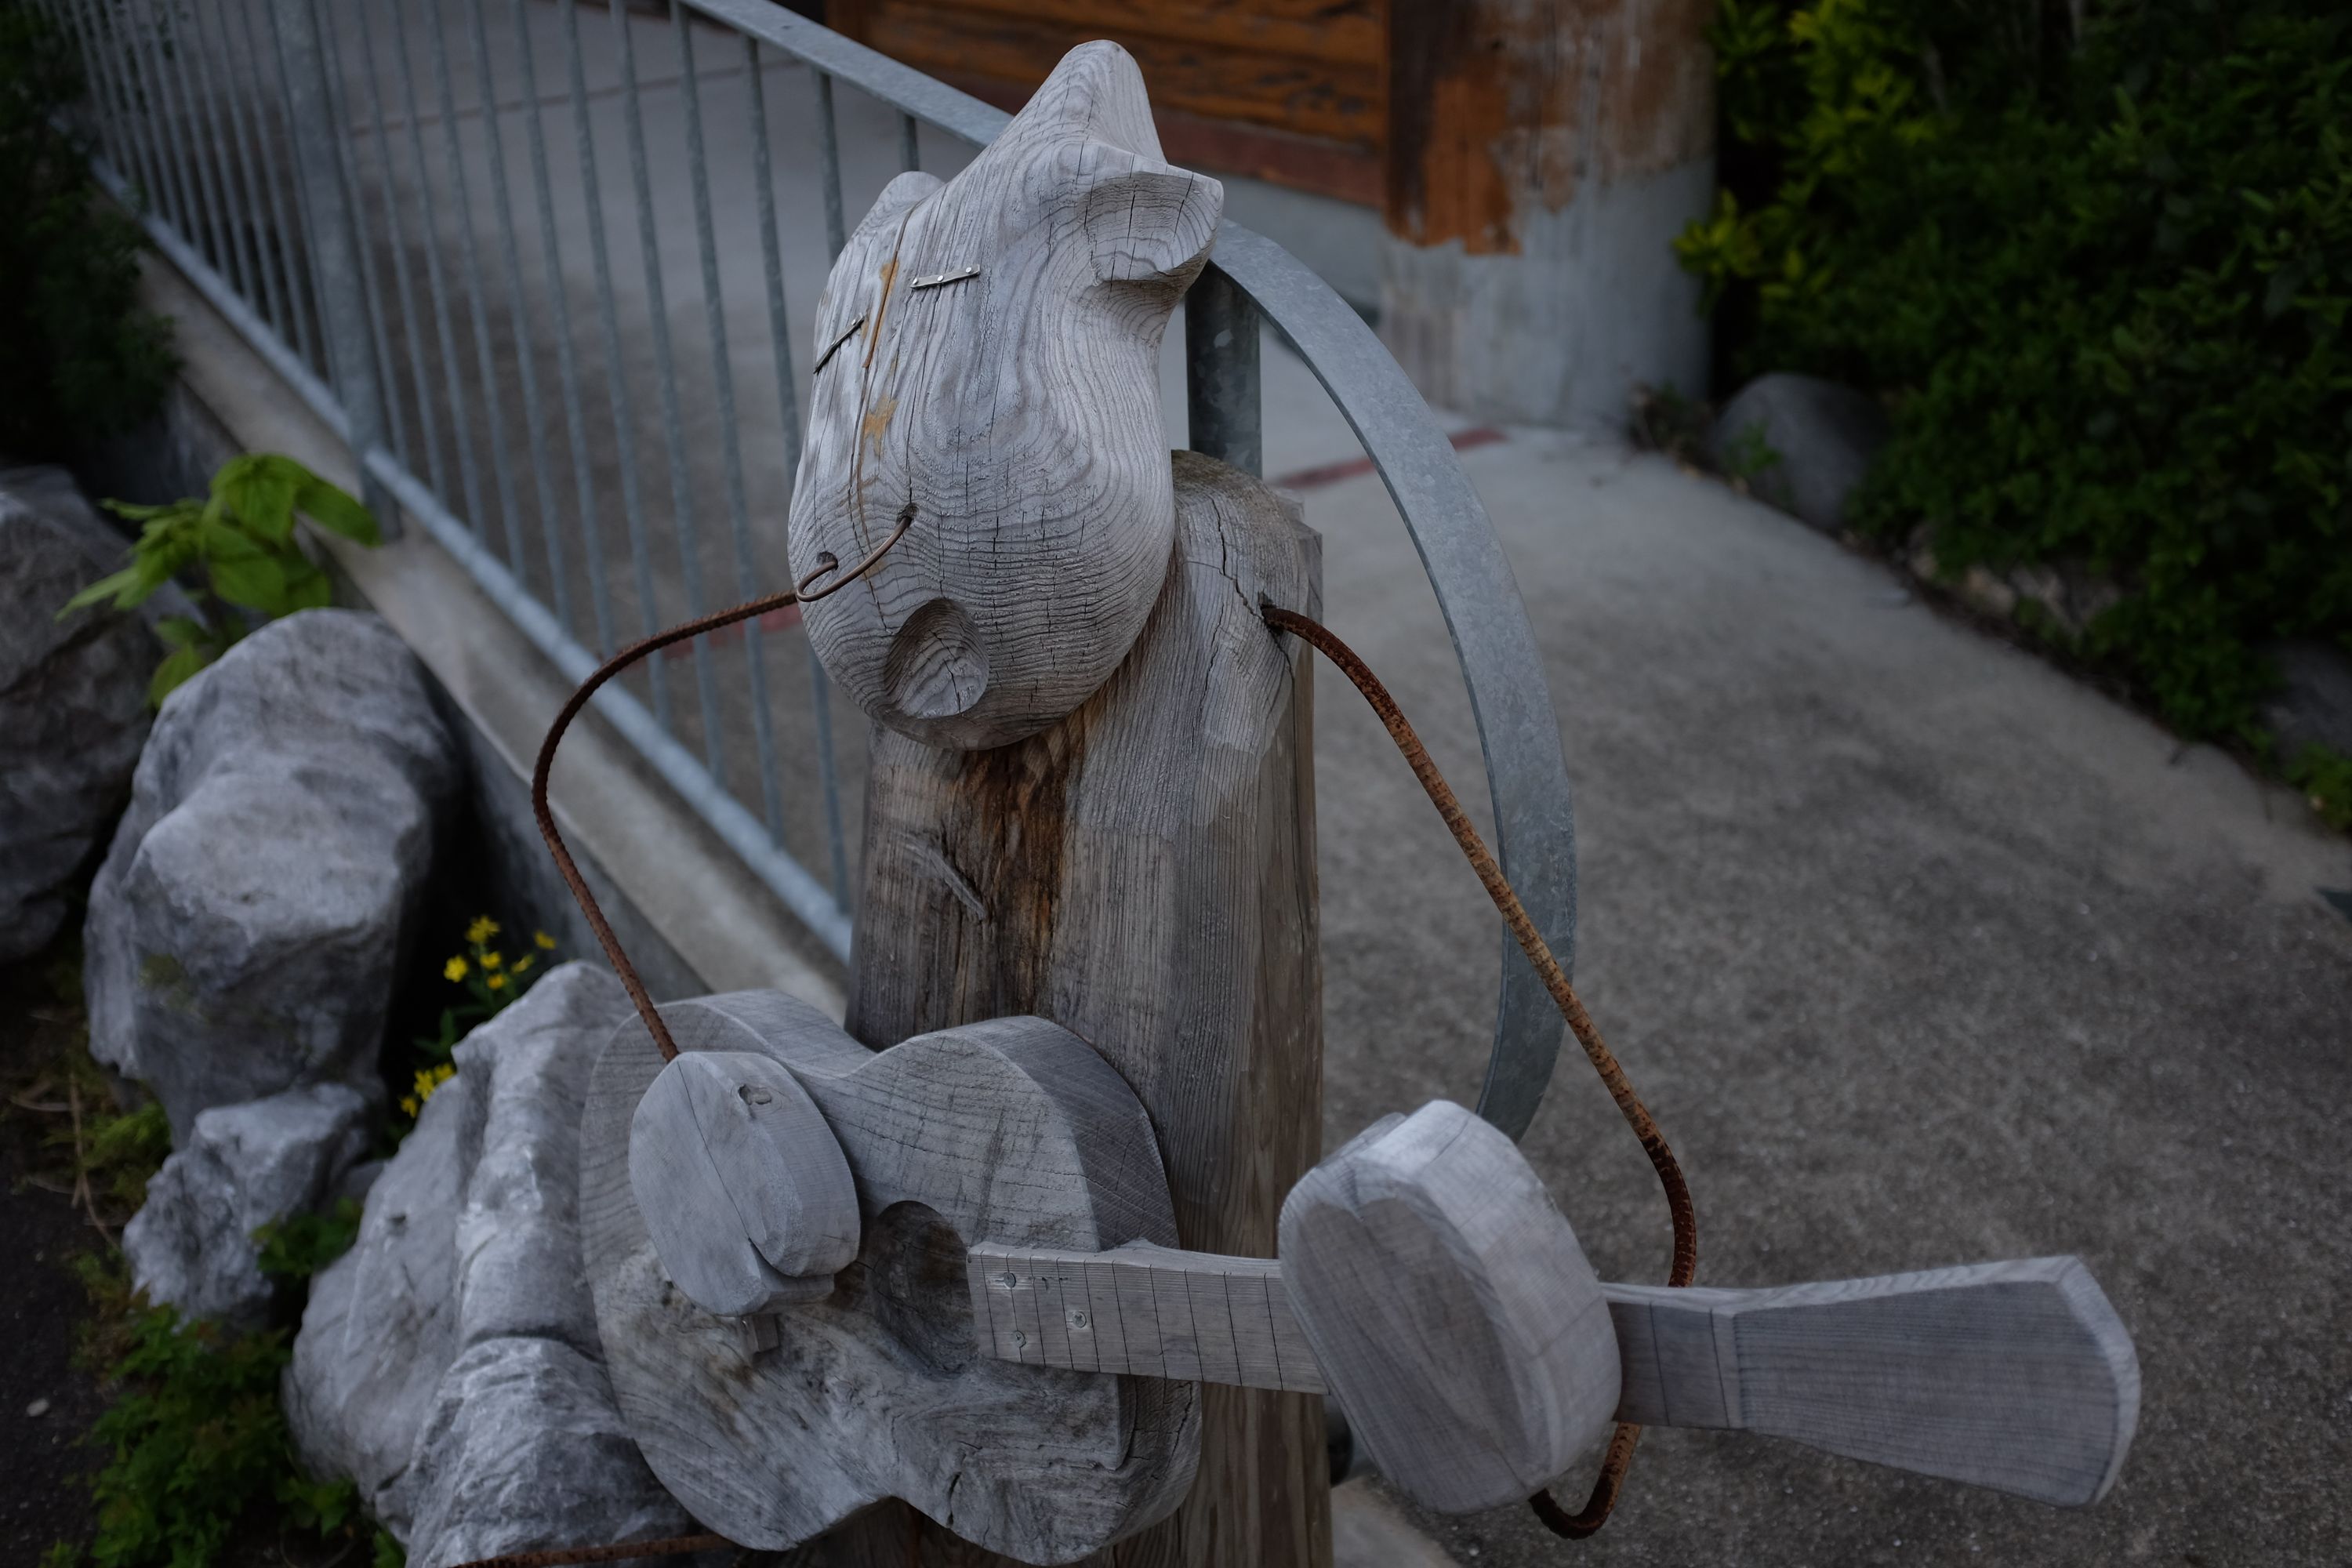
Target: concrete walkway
column 1921, row 952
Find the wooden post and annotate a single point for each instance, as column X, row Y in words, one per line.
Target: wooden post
column 1143, row 874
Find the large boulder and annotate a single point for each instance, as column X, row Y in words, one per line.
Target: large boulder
column 73, row 699
column 254, row 908
column 1800, row 443
column 244, row 1166
column 449, row 1362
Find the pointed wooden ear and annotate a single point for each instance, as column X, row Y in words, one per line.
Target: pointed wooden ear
column 1143, row 220
column 896, row 197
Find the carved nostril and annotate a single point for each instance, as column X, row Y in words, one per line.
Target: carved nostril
column 936, row 667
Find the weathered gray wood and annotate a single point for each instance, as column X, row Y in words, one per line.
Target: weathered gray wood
column 1013, row 1130
column 745, row 1192
column 1451, row 1309
column 1150, row 1310
column 992, row 358
column 1144, row 873
column 2017, row 1376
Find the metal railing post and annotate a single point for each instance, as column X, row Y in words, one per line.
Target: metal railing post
column 334, row 241
column 1220, row 379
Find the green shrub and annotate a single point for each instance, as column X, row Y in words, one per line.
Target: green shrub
column 78, row 358
column 242, row 537
column 2102, row 282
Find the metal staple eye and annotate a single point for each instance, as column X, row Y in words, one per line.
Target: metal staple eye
column 936, row 278
column 834, row 347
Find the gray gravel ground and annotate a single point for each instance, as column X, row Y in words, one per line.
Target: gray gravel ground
column 1921, row 952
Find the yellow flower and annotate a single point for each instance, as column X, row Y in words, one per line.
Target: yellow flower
column 482, row 929
column 525, row 962
column 408, row 1105
column 496, row 983
column 546, row 942
column 492, row 959
column 455, row 969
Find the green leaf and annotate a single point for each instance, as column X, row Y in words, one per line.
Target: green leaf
column 107, row 587
column 334, row 510
column 182, row 631
column 178, row 669
column 256, row 581
column 259, row 488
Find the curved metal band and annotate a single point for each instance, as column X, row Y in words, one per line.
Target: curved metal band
column 1526, row 777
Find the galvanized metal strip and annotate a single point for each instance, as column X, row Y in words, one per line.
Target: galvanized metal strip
column 469, row 249
column 371, row 285
column 779, row 341
column 519, row 319
column 617, row 377
column 173, row 57
column 411, row 319
column 452, row 374
column 296, row 327
column 270, row 299
column 237, row 236
column 681, row 486
column 567, row 369
column 730, row 453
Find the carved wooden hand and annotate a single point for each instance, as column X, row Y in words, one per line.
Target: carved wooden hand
column 1426, row 1281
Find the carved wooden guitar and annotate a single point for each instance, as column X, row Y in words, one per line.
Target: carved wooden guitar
column 826, row 1275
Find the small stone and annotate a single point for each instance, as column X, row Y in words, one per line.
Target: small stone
column 38, row 1408
column 1800, row 443
column 1987, row 593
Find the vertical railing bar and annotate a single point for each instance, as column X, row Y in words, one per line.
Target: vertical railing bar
column 681, row 486
column 617, row 370
column 567, row 370
column 168, row 151
column 270, row 299
column 519, row 330
column 910, row 146
column 828, row 142
column 212, row 236
column 739, row 508
column 238, row 237
column 97, row 84
column 131, row 159
column 371, row 284
column 451, row 373
column 788, row 411
column 403, row 282
column 318, row 351
column 296, row 333
column 485, row 354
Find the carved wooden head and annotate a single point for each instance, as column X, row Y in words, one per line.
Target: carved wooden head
column 1016, row 407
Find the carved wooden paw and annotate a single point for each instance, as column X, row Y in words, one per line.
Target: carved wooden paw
column 1014, row 1130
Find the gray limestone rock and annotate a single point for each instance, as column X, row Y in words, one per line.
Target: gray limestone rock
column 245, row 1165
column 450, row 1362
column 73, row 698
column 381, row 1326
column 2313, row 706
column 524, row 1449
column 1800, row 443
column 252, row 914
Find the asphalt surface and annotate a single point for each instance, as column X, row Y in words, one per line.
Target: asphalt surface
column 1921, row 952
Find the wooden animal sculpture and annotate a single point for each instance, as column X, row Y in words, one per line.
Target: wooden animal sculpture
column 1090, row 800
column 1005, row 1247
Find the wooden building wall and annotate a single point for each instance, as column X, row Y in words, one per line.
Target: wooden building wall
column 1291, row 92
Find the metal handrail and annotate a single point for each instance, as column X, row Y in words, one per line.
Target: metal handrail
column 1486, row 619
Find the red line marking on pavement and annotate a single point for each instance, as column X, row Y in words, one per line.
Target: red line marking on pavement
column 1333, row 473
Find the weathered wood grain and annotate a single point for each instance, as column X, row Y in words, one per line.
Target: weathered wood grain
column 1139, row 1308
column 1018, row 411
column 1451, row 1309
column 2017, row 1376
column 1144, row 873
column 1013, row 1130
column 744, row 1190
